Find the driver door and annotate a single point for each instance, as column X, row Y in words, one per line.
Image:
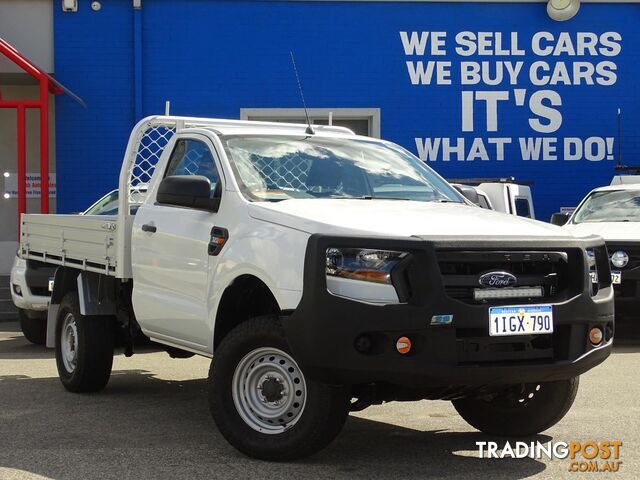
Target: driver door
column 171, row 260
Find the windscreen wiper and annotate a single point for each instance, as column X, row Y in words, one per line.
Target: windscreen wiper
column 369, row 197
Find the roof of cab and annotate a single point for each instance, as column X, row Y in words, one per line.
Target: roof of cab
column 246, row 127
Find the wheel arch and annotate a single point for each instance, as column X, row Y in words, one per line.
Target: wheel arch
column 96, row 296
column 247, row 296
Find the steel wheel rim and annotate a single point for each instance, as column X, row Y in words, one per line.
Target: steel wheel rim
column 269, row 390
column 69, row 342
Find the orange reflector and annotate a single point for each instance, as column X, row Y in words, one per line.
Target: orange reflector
column 595, row 335
column 403, row 345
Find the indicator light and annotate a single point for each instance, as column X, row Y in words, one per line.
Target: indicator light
column 403, row 345
column 595, row 336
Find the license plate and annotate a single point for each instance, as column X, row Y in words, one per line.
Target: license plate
column 616, row 277
column 51, row 284
column 520, row 320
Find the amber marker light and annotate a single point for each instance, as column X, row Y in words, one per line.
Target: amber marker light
column 595, row 335
column 403, row 345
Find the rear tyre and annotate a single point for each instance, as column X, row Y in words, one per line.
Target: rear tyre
column 34, row 327
column 84, row 347
column 521, row 410
column 261, row 401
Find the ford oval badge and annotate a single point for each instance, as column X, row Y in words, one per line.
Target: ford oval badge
column 498, row 279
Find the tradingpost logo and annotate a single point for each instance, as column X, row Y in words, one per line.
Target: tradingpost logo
column 582, row 457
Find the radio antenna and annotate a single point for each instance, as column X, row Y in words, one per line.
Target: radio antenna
column 309, row 129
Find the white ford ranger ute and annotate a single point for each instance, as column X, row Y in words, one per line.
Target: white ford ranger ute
column 324, row 272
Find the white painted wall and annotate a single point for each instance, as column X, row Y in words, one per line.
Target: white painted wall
column 28, row 26
column 8, row 163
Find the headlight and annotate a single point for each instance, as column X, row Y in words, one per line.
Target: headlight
column 620, row 259
column 362, row 264
column 362, row 274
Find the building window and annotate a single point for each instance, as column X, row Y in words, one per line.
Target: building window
column 363, row 121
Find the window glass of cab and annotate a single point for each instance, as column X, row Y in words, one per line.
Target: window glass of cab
column 483, row 202
column 522, row 207
column 193, row 157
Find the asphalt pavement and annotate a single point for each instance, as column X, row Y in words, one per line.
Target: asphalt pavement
column 152, row 422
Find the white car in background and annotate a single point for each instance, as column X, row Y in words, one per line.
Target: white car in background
column 31, row 287
column 504, row 194
column 613, row 212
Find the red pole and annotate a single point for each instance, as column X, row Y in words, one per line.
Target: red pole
column 22, row 165
column 44, row 146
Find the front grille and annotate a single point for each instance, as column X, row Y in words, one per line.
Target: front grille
column 37, row 277
column 40, row 291
column 627, row 289
column 461, row 271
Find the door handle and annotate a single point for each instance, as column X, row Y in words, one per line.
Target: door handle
column 149, row 228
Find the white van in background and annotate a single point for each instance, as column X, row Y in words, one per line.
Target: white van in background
column 474, row 195
column 502, row 194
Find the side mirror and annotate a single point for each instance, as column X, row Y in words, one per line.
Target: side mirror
column 559, row 219
column 193, row 191
column 469, row 193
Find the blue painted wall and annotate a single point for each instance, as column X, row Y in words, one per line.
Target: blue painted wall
column 212, row 58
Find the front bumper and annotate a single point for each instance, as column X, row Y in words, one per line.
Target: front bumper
column 29, row 282
column 325, row 331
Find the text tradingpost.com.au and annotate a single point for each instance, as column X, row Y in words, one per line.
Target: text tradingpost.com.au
column 588, row 456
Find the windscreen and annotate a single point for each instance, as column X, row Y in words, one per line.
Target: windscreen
column 610, row 206
column 274, row 168
column 108, row 205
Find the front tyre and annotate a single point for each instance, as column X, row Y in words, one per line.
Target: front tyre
column 84, row 347
column 33, row 326
column 520, row 410
column 261, row 401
